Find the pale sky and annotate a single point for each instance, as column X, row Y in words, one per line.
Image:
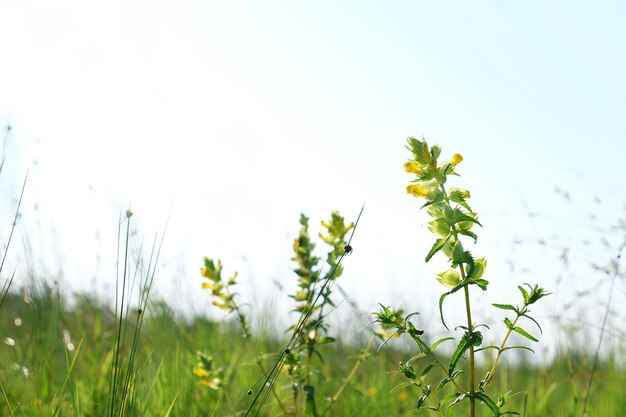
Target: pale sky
column 240, row 115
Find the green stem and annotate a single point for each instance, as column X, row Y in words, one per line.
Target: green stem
column 470, row 325
column 470, row 329
column 506, row 338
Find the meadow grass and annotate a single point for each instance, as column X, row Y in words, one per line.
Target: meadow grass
column 58, row 362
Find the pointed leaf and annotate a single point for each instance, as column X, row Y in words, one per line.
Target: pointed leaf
column 443, row 297
column 524, row 293
column 469, row 233
column 505, row 307
column 459, row 351
column 459, row 216
column 440, row 341
column 449, row 379
column 427, row 369
column 525, row 333
column 495, row 410
column 487, row 348
column 437, row 247
column 534, row 321
column 508, row 323
column 400, row 386
column 518, row 347
column 457, row 400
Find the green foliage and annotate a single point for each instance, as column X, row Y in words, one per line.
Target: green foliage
column 451, row 219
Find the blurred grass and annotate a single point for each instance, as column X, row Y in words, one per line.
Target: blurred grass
column 55, row 359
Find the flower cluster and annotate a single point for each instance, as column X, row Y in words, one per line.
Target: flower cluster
column 219, row 288
column 451, row 215
column 209, row 374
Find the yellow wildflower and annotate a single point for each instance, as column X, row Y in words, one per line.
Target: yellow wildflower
column 417, row 190
column 200, row 371
column 456, row 159
column 413, row 168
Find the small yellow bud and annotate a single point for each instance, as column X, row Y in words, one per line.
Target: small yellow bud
column 417, row 190
column 456, row 159
column 413, row 168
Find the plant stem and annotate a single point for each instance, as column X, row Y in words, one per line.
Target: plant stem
column 506, row 338
column 470, row 329
column 470, row 325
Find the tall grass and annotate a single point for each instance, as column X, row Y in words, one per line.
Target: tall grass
column 61, row 356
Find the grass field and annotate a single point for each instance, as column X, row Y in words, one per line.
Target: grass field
column 57, row 361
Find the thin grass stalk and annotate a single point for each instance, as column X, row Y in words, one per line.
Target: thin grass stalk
column 596, row 356
column 7, row 285
column 119, row 322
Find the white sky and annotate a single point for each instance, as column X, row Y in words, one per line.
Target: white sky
column 243, row 114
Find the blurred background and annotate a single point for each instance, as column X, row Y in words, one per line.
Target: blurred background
column 231, row 118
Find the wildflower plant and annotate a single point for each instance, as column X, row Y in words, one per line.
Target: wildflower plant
column 313, row 303
column 312, row 297
column 452, row 219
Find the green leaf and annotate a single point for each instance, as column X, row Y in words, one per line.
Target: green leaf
column 525, row 333
column 416, row 357
column 457, row 400
column 487, row 348
column 448, row 398
column 524, row 293
column 462, row 347
column 495, row 410
column 449, row 379
column 534, row 321
column 427, row 370
column 508, row 323
column 440, row 341
column 443, row 297
column 469, row 233
column 482, row 283
column 437, row 247
column 518, row 347
column 468, row 340
column 400, row 386
column 459, row 216
column 505, row 307
column 421, row 400
column 458, row 253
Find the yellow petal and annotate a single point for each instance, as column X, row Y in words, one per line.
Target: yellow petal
column 456, row 159
column 413, row 168
column 417, row 190
column 199, row 371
